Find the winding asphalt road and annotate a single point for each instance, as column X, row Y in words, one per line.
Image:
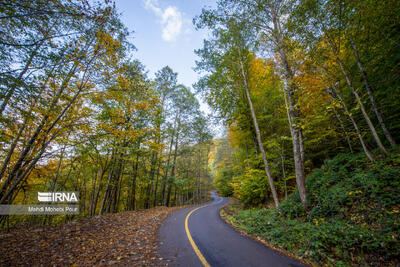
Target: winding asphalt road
column 197, row 236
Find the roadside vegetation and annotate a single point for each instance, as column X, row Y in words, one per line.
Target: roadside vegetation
column 354, row 219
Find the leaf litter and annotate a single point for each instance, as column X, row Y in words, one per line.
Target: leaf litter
column 120, row 239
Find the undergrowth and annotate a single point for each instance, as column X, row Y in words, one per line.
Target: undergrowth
column 352, row 216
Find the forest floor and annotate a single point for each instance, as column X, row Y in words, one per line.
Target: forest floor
column 126, row 238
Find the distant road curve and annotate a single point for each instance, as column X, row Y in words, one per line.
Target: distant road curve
column 197, row 236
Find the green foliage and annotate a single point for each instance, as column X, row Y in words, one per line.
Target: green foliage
column 337, row 51
column 222, row 181
column 252, row 187
column 353, row 219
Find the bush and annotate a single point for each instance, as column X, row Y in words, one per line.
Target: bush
column 353, row 216
column 252, row 187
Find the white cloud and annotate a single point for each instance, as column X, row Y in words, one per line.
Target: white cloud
column 171, row 19
column 172, row 23
column 151, row 5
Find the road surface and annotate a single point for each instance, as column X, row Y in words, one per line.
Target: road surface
column 197, row 236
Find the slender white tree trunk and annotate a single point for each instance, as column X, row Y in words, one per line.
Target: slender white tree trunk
column 357, row 97
column 298, row 151
column 343, row 104
column 371, row 96
column 259, row 140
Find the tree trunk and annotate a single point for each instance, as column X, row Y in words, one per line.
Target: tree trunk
column 174, row 165
column 156, row 185
column 371, row 96
column 343, row 128
column 96, row 195
column 133, row 188
column 283, row 169
column 106, row 193
column 366, row 151
column 357, row 97
column 152, row 175
column 294, row 113
column 260, row 144
column 168, row 161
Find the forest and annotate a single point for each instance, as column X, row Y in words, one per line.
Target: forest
column 308, row 89
column 78, row 113
column 308, row 92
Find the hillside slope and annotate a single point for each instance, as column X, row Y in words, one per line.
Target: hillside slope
column 353, row 216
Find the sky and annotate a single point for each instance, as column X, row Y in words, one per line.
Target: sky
column 164, row 34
